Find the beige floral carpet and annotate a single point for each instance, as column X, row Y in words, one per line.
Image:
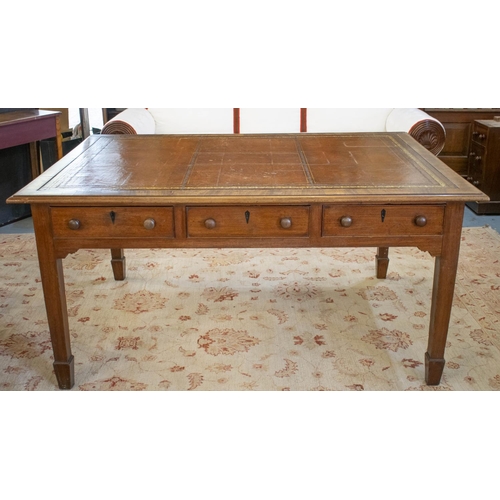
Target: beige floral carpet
column 251, row 319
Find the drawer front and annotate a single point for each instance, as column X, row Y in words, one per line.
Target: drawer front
column 382, row 220
column 477, row 158
column 479, row 133
column 109, row 222
column 248, row 221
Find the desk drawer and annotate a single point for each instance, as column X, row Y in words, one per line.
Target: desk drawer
column 248, row 221
column 112, row 222
column 479, row 133
column 382, row 220
column 477, row 158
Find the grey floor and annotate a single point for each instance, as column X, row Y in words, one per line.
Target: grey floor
column 471, row 219
column 22, row 226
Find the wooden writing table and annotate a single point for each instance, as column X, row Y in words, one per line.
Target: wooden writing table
column 29, row 127
column 294, row 190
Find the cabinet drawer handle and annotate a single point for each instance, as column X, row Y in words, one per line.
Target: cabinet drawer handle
column 210, row 223
column 286, row 222
column 421, row 221
column 346, row 221
column 74, row 224
column 149, row 223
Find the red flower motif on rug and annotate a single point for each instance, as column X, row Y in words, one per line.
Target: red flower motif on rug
column 140, row 302
column 24, row 345
column 494, row 382
column 296, row 291
column 113, row 384
column 226, row 341
column 377, row 293
column 308, row 340
column 388, row 339
column 219, row 294
column 482, row 337
column 128, row 343
column 410, row 363
column 291, row 367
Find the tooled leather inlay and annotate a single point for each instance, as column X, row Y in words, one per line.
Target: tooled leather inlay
column 246, row 162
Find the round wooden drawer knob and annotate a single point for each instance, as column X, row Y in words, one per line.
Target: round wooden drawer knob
column 286, row 222
column 420, row 221
column 149, row 223
column 74, row 224
column 346, row 221
column 210, row 223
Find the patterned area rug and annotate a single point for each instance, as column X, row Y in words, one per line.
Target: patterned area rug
column 251, row 319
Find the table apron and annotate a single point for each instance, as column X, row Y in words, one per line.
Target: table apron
column 431, row 244
column 15, row 135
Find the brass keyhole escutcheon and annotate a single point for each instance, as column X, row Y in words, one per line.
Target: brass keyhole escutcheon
column 247, row 216
column 112, row 215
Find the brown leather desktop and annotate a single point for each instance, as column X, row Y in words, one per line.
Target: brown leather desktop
column 298, row 190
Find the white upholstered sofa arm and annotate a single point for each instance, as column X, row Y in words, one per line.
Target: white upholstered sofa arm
column 420, row 125
column 131, row 121
column 425, row 129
